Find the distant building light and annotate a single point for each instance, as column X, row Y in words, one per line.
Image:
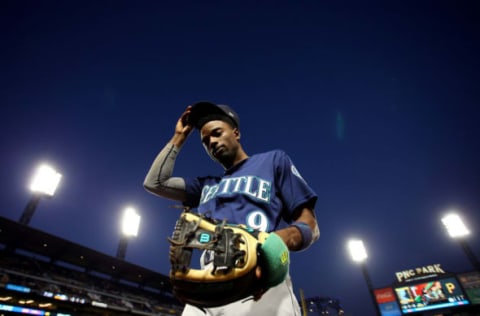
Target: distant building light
column 47, row 294
column 18, row 288
column 21, row 310
column 45, row 305
column 99, row 304
column 61, row 297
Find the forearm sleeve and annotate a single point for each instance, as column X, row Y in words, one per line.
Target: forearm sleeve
column 159, row 178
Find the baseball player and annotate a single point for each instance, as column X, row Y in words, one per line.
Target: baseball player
column 263, row 191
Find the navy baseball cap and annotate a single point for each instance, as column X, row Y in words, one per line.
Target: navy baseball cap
column 204, row 111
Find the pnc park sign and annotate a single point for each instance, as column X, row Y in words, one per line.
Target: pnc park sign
column 419, row 273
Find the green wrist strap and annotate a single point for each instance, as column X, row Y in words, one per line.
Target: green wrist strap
column 275, row 259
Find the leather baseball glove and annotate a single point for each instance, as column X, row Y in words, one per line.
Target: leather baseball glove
column 236, row 253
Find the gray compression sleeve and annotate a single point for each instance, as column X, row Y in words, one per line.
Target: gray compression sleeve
column 159, row 178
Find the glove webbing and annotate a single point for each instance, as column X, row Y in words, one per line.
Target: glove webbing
column 223, row 242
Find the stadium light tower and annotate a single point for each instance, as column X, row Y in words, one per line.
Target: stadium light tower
column 359, row 254
column 130, row 224
column 44, row 184
column 457, row 230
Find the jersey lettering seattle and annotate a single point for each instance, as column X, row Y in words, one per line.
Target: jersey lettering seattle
column 249, row 185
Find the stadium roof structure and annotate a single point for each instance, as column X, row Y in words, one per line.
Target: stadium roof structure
column 15, row 236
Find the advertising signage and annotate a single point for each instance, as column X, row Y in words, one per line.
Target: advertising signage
column 430, row 295
column 419, row 273
column 386, row 301
column 471, row 283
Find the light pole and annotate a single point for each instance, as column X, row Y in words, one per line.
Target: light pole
column 457, row 230
column 359, row 254
column 44, row 184
column 130, row 224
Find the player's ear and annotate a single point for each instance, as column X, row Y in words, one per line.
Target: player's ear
column 236, row 132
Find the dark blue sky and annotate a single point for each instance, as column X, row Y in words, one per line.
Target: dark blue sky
column 377, row 103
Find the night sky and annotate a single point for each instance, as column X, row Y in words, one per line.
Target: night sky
column 377, row 103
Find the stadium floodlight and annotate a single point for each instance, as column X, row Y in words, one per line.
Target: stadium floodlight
column 130, row 222
column 455, row 226
column 357, row 250
column 358, row 254
column 45, row 180
column 130, row 225
column 458, row 230
column 43, row 184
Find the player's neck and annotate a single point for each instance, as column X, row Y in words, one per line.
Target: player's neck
column 239, row 157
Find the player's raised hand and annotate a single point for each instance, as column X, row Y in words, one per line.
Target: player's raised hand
column 182, row 128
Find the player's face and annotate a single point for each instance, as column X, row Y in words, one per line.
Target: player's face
column 221, row 141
